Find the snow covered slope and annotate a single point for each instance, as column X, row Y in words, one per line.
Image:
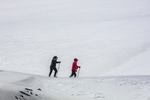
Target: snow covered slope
column 106, row 36
column 109, row 37
column 18, row 86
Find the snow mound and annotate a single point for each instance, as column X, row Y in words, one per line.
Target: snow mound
column 32, row 87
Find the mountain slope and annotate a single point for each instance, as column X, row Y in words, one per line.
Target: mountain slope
column 103, row 35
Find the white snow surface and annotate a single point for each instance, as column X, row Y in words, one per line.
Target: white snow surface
column 110, row 38
column 93, row 88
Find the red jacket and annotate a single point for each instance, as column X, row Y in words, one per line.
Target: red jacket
column 74, row 66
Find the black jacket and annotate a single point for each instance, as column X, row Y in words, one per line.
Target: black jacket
column 53, row 63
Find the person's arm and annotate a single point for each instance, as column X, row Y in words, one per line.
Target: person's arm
column 77, row 66
column 58, row 61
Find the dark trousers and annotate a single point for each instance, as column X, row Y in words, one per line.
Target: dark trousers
column 73, row 73
column 51, row 70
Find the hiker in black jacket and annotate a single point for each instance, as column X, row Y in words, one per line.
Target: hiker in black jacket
column 53, row 66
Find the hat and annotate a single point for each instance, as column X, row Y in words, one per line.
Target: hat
column 75, row 59
column 55, row 57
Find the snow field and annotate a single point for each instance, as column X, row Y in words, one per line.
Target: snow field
column 100, row 88
column 103, row 35
column 110, row 38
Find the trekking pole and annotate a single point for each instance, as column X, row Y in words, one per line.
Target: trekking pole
column 58, row 69
column 78, row 72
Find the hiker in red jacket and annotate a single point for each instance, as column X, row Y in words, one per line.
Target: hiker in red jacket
column 74, row 68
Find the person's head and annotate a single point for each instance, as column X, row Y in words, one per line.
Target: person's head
column 75, row 59
column 55, row 57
